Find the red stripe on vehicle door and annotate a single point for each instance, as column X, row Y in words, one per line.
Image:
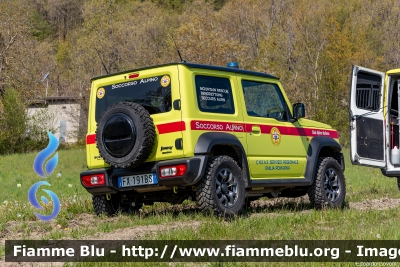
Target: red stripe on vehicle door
column 296, row 131
column 265, row 128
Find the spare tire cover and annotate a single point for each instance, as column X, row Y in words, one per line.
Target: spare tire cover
column 125, row 135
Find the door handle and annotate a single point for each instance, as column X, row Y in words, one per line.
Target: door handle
column 255, row 129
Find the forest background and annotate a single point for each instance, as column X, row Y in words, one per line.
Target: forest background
column 310, row 45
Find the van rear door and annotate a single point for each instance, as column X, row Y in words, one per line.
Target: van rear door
column 367, row 129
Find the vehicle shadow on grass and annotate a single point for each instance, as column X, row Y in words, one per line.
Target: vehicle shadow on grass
column 173, row 210
column 264, row 205
column 261, row 206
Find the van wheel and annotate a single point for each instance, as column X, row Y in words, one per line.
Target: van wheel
column 108, row 205
column 125, row 135
column 328, row 188
column 222, row 188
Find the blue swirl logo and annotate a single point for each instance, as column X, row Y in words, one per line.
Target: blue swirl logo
column 32, row 198
column 44, row 154
column 44, row 170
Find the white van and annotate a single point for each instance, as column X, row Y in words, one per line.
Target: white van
column 374, row 119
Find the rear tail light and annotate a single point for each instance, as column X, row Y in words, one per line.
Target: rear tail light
column 93, row 180
column 172, row 171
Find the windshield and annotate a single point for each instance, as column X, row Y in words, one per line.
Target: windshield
column 154, row 94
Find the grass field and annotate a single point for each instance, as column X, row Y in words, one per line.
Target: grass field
column 281, row 220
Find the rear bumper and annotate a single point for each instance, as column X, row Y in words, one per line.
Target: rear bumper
column 194, row 172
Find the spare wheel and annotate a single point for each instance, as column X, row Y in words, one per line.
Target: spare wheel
column 125, row 135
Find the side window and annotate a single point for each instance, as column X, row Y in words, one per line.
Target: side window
column 264, row 100
column 368, row 91
column 214, row 94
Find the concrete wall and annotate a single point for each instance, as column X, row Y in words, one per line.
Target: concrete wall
column 61, row 116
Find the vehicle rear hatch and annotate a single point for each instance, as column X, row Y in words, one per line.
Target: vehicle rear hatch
column 156, row 89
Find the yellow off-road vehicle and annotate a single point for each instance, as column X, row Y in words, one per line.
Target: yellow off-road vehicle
column 217, row 135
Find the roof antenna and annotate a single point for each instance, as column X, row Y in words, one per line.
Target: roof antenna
column 173, row 39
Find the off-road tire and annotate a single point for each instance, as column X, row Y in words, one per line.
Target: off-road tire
column 108, row 207
column 140, row 142
column 222, row 188
column 329, row 187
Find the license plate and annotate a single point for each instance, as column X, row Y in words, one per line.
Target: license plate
column 137, row 180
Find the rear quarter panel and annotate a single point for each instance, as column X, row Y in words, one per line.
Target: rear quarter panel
column 196, row 121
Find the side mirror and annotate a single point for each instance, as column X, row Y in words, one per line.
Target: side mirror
column 299, row 111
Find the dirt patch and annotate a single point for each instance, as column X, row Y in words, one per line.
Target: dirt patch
column 141, row 232
column 35, row 230
column 282, row 203
column 16, row 230
column 303, row 203
column 375, row 204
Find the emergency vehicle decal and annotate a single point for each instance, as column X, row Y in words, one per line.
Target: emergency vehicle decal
column 101, row 93
column 275, row 136
column 217, row 126
column 165, row 81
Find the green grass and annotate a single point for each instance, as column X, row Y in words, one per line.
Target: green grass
column 367, row 183
column 17, row 175
column 314, row 225
column 280, row 222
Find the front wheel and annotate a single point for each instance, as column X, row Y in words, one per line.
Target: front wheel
column 328, row 188
column 222, row 188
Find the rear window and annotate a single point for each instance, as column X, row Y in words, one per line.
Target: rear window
column 214, row 94
column 368, row 91
column 153, row 93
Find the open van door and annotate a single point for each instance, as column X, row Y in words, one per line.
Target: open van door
column 367, row 129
